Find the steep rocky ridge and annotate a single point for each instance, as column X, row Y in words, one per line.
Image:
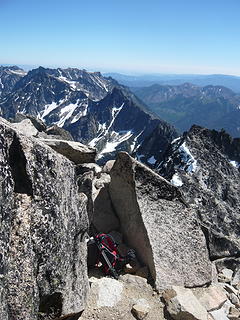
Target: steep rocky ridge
column 205, row 166
column 95, row 110
column 43, row 223
column 153, row 147
column 117, row 123
column 41, row 90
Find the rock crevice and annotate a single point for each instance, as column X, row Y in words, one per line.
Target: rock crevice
column 17, row 162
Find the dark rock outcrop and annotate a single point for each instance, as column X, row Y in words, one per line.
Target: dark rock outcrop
column 155, row 221
column 205, row 165
column 104, row 215
column 154, row 146
column 43, row 222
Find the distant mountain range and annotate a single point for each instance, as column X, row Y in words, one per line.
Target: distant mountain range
column 213, row 107
column 232, row 82
column 100, row 112
column 96, row 110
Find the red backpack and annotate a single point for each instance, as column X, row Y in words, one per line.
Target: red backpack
column 107, row 245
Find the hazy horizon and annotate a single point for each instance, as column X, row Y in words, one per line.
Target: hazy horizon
column 132, row 74
column 128, row 37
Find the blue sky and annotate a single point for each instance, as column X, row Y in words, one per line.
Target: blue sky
column 150, row 36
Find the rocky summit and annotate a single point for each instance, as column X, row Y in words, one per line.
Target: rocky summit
column 181, row 216
column 170, row 201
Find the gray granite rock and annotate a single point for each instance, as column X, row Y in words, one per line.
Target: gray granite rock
column 38, row 124
column 74, row 151
column 183, row 305
column 26, row 127
column 59, row 132
column 140, row 310
column 115, row 300
column 108, row 166
column 219, row 315
column 43, row 222
column 155, row 222
column 212, row 297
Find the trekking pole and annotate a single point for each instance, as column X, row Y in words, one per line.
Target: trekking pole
column 111, row 268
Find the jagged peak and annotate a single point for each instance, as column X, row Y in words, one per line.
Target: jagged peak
column 225, row 142
column 13, row 68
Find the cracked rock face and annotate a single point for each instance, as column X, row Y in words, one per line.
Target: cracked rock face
column 43, row 222
column 155, row 221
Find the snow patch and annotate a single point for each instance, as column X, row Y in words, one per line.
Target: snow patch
column 176, row 180
column 175, row 140
column 133, row 145
column 48, row 108
column 102, row 126
column 73, row 84
column 81, row 113
column 117, row 138
column 235, row 163
column 68, row 108
column 94, row 141
column 151, row 160
column 66, row 112
column 99, row 82
column 1, row 83
column 18, row 72
column 102, row 131
column 115, row 112
column 187, row 157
